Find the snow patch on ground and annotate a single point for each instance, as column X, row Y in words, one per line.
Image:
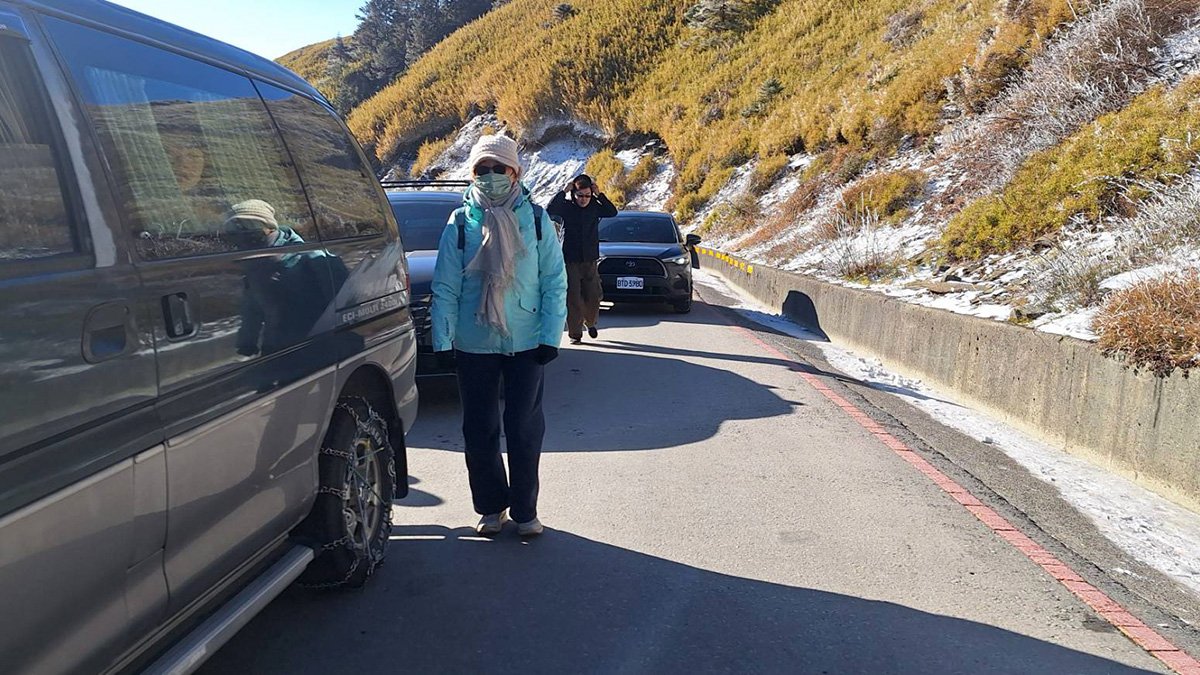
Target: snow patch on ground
column 552, row 166
column 1180, row 53
column 784, row 188
column 737, row 186
column 1148, row 527
column 560, row 153
column 451, row 164
column 1076, row 324
column 654, row 194
column 1119, row 282
column 548, row 165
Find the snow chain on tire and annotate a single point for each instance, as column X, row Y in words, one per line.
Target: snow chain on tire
column 341, row 560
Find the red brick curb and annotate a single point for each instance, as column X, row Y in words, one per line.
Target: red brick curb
column 1142, row 635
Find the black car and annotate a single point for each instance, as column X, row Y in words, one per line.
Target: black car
column 644, row 258
column 422, row 209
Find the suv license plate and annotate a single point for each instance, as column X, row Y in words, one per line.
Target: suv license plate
column 631, row 283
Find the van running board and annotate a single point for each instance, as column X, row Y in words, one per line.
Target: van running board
column 190, row 653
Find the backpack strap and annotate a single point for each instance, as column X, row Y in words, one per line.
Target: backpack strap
column 462, row 227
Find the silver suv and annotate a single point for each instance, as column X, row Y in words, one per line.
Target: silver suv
column 206, row 352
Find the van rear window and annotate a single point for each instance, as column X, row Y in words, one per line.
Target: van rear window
column 343, row 190
column 187, row 142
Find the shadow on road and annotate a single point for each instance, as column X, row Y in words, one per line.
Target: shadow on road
column 418, row 498
column 602, row 400
column 635, row 396
column 447, row 601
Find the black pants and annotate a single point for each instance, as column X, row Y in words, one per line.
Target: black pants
column 479, row 377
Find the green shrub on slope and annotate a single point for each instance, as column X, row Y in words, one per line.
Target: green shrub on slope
column 1092, row 174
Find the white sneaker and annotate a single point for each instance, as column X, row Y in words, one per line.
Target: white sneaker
column 531, row 529
column 492, row 523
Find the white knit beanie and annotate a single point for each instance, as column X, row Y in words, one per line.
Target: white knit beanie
column 253, row 209
column 499, row 148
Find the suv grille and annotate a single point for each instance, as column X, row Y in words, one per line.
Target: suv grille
column 642, row 267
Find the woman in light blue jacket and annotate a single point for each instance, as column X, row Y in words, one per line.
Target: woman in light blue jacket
column 499, row 302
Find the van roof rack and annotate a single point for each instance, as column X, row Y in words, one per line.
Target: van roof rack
column 396, row 184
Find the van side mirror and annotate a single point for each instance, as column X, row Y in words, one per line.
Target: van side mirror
column 692, row 240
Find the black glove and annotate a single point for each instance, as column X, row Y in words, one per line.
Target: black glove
column 545, row 354
column 445, row 360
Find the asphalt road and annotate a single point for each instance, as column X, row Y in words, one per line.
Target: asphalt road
column 707, row 510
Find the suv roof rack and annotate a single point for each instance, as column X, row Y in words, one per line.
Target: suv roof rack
column 396, row 184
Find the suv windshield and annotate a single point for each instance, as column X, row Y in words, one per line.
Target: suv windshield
column 422, row 222
column 646, row 229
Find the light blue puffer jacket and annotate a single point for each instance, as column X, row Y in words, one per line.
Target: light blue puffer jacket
column 536, row 303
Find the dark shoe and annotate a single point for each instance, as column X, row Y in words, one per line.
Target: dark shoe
column 577, row 340
column 593, row 333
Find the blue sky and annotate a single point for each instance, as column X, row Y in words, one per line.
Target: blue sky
column 270, row 28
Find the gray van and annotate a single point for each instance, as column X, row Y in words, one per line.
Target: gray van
column 206, row 353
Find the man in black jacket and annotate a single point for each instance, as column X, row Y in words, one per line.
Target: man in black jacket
column 581, row 206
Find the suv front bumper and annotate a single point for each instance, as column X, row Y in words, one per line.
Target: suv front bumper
column 675, row 287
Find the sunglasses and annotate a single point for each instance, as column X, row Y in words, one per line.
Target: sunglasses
column 481, row 170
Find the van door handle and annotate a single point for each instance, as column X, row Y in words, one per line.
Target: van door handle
column 178, row 315
column 106, row 331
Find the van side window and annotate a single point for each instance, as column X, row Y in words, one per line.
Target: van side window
column 187, row 142
column 34, row 219
column 343, row 190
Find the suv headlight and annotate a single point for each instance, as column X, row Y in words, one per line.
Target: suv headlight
column 681, row 260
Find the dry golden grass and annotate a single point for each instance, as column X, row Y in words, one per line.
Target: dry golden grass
column 1154, row 324
column 889, row 194
column 787, row 214
column 784, row 251
column 641, row 173
column 811, row 74
column 609, row 174
column 310, row 62
column 768, row 170
column 427, row 154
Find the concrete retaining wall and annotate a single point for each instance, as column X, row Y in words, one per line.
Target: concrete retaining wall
column 1059, row 389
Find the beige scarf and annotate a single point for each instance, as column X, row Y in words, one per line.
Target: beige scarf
column 496, row 262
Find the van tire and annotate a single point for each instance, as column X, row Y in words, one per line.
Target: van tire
column 351, row 519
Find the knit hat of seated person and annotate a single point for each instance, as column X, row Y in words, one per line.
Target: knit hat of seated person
column 498, row 148
column 253, row 209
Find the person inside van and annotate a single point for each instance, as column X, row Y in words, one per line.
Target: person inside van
column 283, row 295
column 499, row 301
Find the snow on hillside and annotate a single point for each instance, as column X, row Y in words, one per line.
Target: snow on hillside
column 1034, row 286
column 560, row 152
column 550, row 163
column 986, row 289
column 653, row 195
